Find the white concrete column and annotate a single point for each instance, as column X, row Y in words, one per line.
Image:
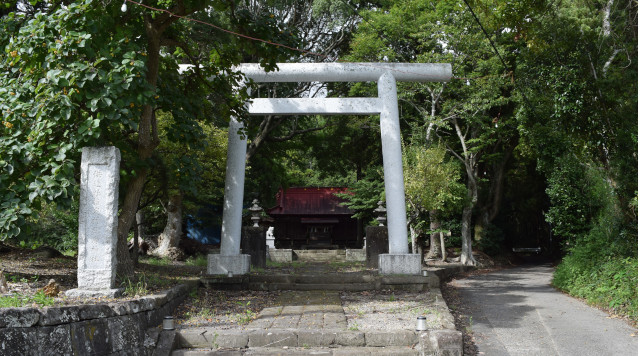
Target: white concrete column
column 392, row 162
column 233, row 190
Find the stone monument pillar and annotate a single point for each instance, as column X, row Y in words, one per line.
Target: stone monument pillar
column 98, row 223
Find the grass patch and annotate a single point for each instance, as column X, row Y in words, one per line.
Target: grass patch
column 347, row 266
column 293, row 264
column 274, row 264
column 17, row 300
column 155, row 261
column 135, row 286
column 246, row 316
column 199, row 261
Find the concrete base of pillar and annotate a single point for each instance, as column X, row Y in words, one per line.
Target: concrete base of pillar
column 94, row 293
column 399, row 264
column 225, row 264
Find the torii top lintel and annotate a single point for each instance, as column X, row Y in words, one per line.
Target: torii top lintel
column 347, row 72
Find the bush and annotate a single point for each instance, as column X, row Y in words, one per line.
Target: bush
column 53, row 225
column 574, row 196
column 492, row 241
column 612, row 283
column 602, row 267
column 601, row 264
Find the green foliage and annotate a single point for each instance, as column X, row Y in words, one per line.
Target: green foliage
column 156, row 261
column 65, row 77
column 17, row 300
column 577, row 193
column 135, row 286
column 246, row 316
column 431, row 183
column 365, row 194
column 491, row 241
column 602, row 264
column 200, row 261
column 52, row 225
column 611, row 283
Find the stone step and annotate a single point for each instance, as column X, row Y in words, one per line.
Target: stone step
column 302, row 351
column 203, row 337
column 353, row 287
column 321, row 255
column 330, row 278
column 329, row 281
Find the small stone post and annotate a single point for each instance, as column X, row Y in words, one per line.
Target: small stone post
column 377, row 244
column 98, row 223
column 377, row 237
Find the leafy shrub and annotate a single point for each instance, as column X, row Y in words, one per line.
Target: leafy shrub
column 492, row 240
column 571, row 189
column 613, row 283
column 454, row 225
column 53, row 225
column 602, row 266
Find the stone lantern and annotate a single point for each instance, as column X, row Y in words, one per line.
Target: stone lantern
column 381, row 213
column 255, row 210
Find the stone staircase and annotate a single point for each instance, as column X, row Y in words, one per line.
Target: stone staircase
column 194, row 342
column 302, row 329
column 317, row 324
column 321, row 255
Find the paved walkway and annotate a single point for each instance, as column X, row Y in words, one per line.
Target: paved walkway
column 310, row 310
column 517, row 312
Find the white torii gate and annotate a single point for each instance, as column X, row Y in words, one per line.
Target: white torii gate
column 399, row 260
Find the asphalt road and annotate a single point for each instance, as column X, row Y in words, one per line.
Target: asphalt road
column 517, row 312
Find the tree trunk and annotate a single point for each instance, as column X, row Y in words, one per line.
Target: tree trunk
column 125, row 220
column 414, row 238
column 170, row 237
column 466, row 256
column 470, row 161
column 140, row 223
column 435, row 248
column 443, row 247
column 138, row 234
column 133, row 252
column 147, row 141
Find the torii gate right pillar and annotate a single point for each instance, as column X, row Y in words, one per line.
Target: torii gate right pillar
column 398, row 260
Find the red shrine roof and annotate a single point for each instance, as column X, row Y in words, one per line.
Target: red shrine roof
column 310, row 201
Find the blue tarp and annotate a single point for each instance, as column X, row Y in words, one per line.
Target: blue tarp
column 206, row 226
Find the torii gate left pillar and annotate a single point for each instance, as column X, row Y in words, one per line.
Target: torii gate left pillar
column 398, row 260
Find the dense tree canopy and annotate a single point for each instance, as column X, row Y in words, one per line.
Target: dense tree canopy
column 539, row 122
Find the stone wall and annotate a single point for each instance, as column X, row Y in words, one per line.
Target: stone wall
column 118, row 328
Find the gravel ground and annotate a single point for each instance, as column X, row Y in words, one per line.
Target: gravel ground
column 222, row 309
column 390, row 310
